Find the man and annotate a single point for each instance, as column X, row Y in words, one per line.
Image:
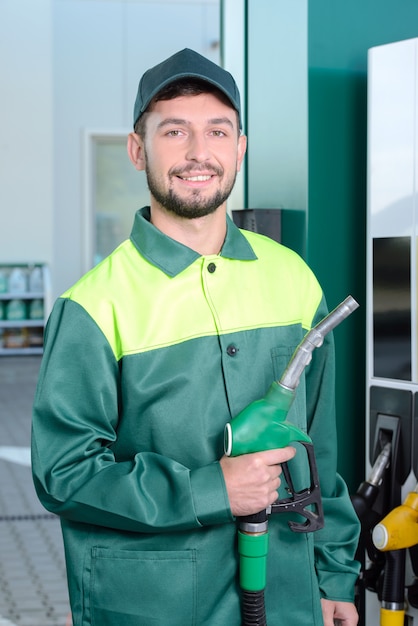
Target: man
column 148, row 357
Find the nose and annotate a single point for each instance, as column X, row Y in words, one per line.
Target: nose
column 198, row 149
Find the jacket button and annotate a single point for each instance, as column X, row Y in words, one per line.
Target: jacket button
column 232, row 350
column 211, row 268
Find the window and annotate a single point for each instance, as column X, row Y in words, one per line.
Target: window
column 115, row 190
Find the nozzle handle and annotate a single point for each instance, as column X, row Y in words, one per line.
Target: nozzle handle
column 307, row 502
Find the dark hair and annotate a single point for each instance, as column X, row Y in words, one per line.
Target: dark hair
column 182, row 87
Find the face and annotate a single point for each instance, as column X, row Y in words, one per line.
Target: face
column 191, row 154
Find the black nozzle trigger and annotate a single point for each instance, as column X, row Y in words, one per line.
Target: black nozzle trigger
column 299, row 501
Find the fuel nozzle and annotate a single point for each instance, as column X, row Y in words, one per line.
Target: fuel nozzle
column 399, row 529
column 368, row 491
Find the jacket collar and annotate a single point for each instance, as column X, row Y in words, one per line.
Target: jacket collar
column 173, row 257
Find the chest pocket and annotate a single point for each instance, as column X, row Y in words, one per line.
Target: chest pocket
column 280, row 358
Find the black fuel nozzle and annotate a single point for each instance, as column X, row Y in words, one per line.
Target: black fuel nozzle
column 365, row 496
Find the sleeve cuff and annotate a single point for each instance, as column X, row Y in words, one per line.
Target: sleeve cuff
column 210, row 496
column 337, row 587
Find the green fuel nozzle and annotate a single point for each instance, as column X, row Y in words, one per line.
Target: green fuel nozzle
column 263, row 425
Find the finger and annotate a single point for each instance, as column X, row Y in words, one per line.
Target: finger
column 277, row 455
column 327, row 612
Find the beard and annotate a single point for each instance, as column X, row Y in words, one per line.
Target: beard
column 196, row 204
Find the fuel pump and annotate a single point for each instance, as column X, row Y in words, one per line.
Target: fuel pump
column 263, row 426
column 391, row 426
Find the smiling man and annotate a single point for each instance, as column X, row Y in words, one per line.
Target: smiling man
column 190, row 145
column 147, row 358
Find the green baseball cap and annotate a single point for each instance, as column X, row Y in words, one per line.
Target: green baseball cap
column 185, row 64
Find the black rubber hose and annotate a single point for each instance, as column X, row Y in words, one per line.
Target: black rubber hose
column 393, row 592
column 253, row 608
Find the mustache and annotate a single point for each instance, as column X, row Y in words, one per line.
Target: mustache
column 196, row 169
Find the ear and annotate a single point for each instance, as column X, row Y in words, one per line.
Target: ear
column 135, row 147
column 242, row 147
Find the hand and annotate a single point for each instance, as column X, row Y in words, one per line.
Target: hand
column 252, row 480
column 339, row 613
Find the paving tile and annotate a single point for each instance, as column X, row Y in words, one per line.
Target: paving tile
column 33, row 590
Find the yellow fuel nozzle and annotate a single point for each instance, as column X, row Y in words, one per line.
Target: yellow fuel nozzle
column 399, row 529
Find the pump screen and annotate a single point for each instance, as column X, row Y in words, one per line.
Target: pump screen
column 392, row 307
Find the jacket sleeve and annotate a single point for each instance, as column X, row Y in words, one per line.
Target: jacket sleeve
column 75, row 420
column 336, row 543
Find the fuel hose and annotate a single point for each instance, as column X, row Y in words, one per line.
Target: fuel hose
column 392, row 611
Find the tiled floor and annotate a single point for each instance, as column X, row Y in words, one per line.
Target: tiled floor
column 33, row 588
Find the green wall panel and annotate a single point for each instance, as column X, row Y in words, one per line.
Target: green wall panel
column 336, row 246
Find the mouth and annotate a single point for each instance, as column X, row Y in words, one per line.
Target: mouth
column 196, row 179
column 196, row 176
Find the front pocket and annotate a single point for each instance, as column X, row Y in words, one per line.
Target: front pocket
column 144, row 588
column 281, row 356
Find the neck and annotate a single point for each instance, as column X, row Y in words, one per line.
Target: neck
column 204, row 234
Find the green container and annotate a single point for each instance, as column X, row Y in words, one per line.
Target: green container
column 16, row 310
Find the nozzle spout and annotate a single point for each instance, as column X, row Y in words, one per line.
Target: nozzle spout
column 314, row 339
column 380, row 465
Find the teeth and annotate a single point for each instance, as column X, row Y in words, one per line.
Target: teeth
column 197, row 178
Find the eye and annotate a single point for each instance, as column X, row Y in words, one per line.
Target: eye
column 174, row 133
column 218, row 133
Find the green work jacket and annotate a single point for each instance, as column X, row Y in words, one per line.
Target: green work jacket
column 146, row 359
